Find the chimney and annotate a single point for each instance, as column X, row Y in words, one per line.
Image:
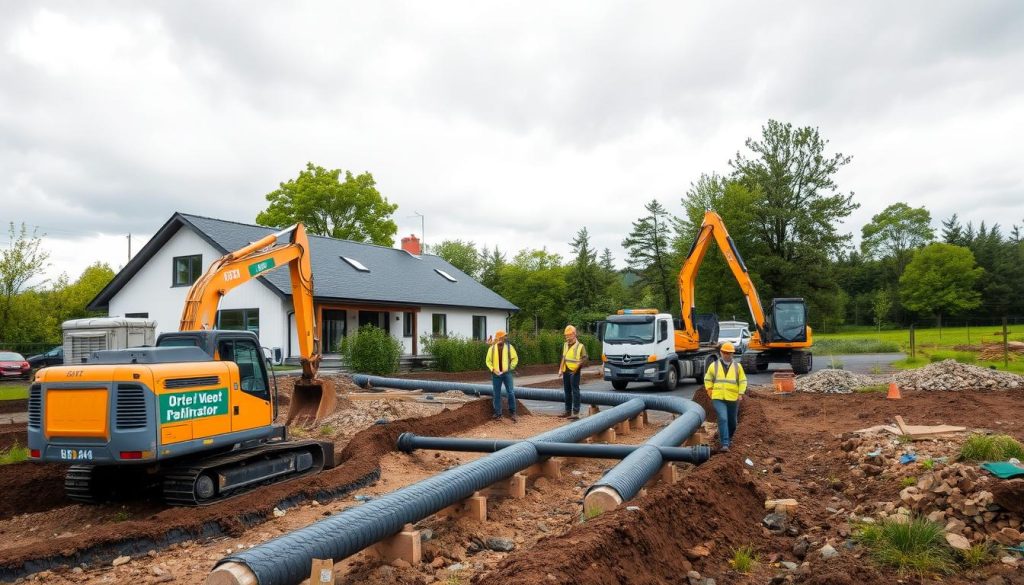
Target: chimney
column 411, row 244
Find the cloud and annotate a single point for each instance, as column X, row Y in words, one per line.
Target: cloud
column 509, row 124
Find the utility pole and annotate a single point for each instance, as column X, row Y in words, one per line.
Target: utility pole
column 129, row 247
column 423, row 231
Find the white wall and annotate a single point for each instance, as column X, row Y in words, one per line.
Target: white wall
column 460, row 321
column 151, row 291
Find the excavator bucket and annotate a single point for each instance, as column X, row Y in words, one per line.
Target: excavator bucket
column 312, row 400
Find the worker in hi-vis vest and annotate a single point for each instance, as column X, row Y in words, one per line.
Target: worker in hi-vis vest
column 574, row 356
column 726, row 384
column 501, row 360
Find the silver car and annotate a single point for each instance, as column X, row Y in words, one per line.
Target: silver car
column 735, row 332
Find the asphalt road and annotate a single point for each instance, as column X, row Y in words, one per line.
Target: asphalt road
column 868, row 363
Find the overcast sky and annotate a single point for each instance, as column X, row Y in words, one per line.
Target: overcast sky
column 505, row 123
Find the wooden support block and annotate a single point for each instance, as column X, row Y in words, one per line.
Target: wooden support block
column 669, row 473
column 786, row 506
column 646, row 420
column 405, row 545
column 606, row 436
column 622, row 428
column 513, row 487
column 697, row 438
column 594, row 409
column 473, row 507
column 322, row 572
column 552, row 468
column 637, row 422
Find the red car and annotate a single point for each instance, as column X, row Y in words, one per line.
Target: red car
column 13, row 365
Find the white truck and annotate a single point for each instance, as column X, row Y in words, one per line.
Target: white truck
column 640, row 345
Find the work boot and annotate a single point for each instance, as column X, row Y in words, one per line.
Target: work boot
column 496, row 417
column 515, row 419
column 565, row 415
column 575, row 416
column 724, row 449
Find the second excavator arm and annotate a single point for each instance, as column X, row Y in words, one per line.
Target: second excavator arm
column 713, row 229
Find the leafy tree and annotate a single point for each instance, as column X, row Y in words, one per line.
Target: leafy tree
column 22, row 261
column 650, row 256
column 881, row 305
column 462, row 255
column 583, row 277
column 535, row 282
column 68, row 300
column 491, row 263
column 800, row 206
column 940, row 279
column 896, row 231
column 352, row 209
column 953, row 232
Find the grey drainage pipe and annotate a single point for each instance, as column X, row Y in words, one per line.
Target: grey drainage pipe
column 286, row 559
column 624, row 481
column 409, row 442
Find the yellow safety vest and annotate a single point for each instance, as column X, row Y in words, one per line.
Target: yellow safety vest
column 507, row 352
column 725, row 383
column 573, row 356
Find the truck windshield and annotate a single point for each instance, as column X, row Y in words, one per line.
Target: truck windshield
column 634, row 333
column 729, row 333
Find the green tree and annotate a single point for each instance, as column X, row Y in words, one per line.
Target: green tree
column 939, row 280
column 880, row 306
column 650, row 255
column 352, row 209
column 462, row 255
column 535, row 282
column 800, row 205
column 491, row 263
column 953, row 232
column 583, row 277
column 69, row 300
column 896, row 231
column 22, row 261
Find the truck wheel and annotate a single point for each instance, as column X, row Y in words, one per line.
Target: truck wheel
column 671, row 378
column 619, row 384
column 802, row 362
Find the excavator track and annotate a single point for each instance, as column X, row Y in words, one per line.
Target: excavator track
column 80, row 484
column 201, row 482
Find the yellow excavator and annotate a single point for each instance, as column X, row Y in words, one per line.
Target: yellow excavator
column 195, row 413
column 781, row 334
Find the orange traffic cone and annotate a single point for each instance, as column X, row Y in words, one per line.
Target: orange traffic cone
column 894, row 392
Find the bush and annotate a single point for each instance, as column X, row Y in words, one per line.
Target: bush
column 845, row 346
column 991, row 448
column 14, row 454
column 371, row 351
column 456, row 354
column 743, row 559
column 917, row 545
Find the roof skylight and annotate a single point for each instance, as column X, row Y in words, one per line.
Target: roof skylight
column 446, row 276
column 355, row 264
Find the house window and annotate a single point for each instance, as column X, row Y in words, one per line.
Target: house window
column 187, row 269
column 479, row 327
column 239, row 320
column 407, row 324
column 445, row 275
column 440, row 324
column 355, row 264
column 136, row 315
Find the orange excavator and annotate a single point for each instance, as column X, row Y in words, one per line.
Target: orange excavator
column 781, row 334
column 194, row 414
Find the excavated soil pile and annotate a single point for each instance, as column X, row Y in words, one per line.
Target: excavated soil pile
column 358, row 465
column 31, row 487
column 13, row 434
column 834, row 382
column 952, row 375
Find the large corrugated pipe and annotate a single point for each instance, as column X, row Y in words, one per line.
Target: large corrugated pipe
column 286, row 559
column 622, row 482
column 409, row 442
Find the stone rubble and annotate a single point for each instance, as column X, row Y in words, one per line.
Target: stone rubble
column 833, row 382
column 947, row 375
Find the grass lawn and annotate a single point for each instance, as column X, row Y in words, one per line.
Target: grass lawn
column 932, row 346
column 13, row 390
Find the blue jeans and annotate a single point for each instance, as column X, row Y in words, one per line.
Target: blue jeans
column 728, row 417
column 571, row 387
column 496, row 382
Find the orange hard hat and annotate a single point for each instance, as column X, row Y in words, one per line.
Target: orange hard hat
column 499, row 334
column 570, row 329
column 727, row 347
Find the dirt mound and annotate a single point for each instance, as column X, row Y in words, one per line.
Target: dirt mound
column 31, row 487
column 358, row 465
column 833, row 382
column 13, row 434
column 952, row 375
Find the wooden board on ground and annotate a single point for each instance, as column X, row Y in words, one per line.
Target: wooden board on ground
column 914, row 432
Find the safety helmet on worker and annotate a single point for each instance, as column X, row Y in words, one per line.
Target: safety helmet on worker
column 499, row 335
column 570, row 330
column 727, row 348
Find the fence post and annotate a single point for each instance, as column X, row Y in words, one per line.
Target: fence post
column 913, row 349
column 968, row 332
column 1006, row 347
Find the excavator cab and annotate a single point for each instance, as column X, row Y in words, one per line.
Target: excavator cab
column 787, row 321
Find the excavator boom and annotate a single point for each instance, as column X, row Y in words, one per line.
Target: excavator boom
column 313, row 398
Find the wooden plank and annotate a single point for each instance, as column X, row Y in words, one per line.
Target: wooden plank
column 902, row 425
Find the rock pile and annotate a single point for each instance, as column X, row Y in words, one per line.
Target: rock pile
column 958, row 496
column 952, row 375
column 833, row 382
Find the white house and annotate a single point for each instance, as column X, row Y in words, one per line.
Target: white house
column 402, row 291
